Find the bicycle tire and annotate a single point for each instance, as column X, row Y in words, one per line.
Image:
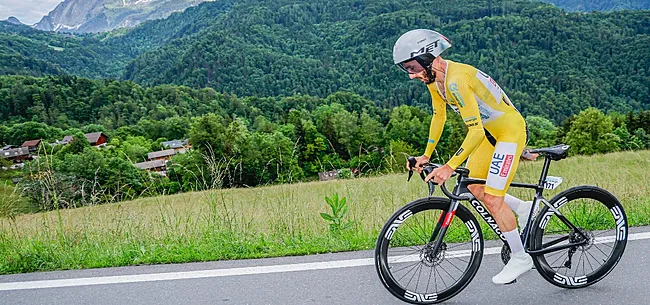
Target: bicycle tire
column 395, row 237
column 604, row 212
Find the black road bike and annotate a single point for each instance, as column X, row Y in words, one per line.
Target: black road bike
column 431, row 249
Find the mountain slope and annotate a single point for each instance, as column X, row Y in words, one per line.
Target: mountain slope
column 13, row 20
column 83, row 16
column 551, row 63
column 27, row 51
column 600, row 5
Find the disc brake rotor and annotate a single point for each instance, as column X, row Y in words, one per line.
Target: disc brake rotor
column 430, row 259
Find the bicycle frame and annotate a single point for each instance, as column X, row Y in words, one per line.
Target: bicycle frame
column 460, row 190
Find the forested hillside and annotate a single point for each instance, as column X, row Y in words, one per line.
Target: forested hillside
column 26, row 51
column 601, row 5
column 551, row 63
column 238, row 141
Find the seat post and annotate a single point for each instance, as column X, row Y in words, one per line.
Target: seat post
column 547, row 164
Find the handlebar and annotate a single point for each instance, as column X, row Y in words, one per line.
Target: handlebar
column 427, row 169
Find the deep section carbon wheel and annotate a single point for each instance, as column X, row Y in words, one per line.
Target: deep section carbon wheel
column 600, row 228
column 406, row 262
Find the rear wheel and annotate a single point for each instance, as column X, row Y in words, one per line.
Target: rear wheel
column 406, row 262
column 600, row 227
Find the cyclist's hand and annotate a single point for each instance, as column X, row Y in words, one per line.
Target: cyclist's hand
column 440, row 174
column 418, row 165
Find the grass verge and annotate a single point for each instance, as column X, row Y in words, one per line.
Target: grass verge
column 268, row 221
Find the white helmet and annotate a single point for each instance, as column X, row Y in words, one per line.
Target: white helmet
column 421, row 45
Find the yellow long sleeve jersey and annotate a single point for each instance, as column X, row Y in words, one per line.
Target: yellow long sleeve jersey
column 479, row 100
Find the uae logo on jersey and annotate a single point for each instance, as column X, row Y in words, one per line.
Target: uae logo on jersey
column 501, row 164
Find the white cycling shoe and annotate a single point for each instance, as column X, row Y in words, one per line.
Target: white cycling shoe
column 519, row 264
column 522, row 213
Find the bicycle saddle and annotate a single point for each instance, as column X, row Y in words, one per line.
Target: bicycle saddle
column 555, row 153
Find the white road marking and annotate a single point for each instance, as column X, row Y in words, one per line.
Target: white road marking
column 231, row 272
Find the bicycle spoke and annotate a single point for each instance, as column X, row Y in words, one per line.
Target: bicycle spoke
column 399, row 260
column 604, row 244
column 601, row 233
column 601, row 251
column 451, row 276
column 429, row 281
column 416, row 236
column 589, row 262
column 561, row 256
column 418, row 281
column 579, row 259
column 412, row 251
column 435, row 279
column 458, row 245
column 443, row 280
column 461, row 271
column 462, row 260
column 592, row 256
column 583, row 263
column 407, row 238
column 416, row 271
column 558, row 252
column 411, row 265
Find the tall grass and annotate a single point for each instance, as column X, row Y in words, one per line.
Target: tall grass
column 267, row 221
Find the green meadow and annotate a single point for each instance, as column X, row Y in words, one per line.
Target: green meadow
column 278, row 220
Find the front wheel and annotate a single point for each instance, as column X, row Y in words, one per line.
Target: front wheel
column 588, row 216
column 405, row 259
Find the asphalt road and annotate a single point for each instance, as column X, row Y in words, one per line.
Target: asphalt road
column 342, row 278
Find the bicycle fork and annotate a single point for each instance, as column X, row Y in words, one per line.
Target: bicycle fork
column 443, row 224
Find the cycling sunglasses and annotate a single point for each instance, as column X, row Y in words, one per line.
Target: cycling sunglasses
column 416, row 64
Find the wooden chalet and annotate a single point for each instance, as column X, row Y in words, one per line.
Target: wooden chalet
column 153, row 166
column 95, row 139
column 179, row 146
column 16, row 155
column 162, row 155
column 31, row 145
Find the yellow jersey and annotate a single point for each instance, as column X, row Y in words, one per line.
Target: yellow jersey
column 481, row 103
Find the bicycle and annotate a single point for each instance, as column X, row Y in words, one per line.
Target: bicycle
column 415, row 253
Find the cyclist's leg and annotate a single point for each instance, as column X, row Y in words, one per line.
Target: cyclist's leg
column 479, row 163
column 503, row 167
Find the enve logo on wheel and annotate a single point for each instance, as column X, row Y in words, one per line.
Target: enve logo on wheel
column 420, row 297
column 400, row 219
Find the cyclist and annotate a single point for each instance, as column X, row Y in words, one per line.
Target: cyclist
column 495, row 139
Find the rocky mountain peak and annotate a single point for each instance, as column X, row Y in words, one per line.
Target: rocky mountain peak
column 13, row 20
column 83, row 16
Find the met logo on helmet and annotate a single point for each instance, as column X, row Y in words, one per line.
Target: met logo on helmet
column 426, row 49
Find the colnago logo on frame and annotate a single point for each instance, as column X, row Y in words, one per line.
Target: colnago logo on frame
column 420, row 297
column 400, row 219
column 487, row 217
